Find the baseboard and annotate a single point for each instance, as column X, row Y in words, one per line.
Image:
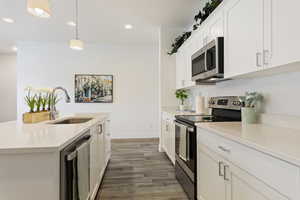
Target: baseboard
column 125, row 140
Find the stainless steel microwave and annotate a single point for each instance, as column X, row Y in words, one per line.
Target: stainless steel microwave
column 208, row 62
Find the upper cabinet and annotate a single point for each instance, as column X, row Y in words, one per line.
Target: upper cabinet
column 258, row 35
column 282, row 32
column 243, row 37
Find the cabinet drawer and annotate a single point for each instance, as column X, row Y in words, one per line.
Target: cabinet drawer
column 276, row 173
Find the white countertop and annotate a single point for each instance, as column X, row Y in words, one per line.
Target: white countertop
column 16, row 137
column 282, row 143
column 175, row 111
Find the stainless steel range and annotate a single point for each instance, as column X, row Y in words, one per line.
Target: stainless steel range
column 223, row 109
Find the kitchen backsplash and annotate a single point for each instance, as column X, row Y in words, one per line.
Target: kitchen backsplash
column 277, row 98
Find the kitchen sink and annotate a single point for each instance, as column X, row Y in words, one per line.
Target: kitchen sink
column 72, row 121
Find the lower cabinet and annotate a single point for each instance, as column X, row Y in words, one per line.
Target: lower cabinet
column 220, row 179
column 168, row 138
column 211, row 185
column 99, row 155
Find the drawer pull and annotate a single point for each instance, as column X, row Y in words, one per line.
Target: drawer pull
column 225, row 173
column 224, row 149
column 220, row 168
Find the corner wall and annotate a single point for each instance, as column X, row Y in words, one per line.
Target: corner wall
column 8, row 87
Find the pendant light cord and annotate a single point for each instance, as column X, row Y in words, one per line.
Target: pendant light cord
column 76, row 20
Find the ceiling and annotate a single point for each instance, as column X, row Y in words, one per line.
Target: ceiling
column 100, row 21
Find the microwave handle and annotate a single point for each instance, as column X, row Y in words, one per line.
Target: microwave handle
column 205, row 60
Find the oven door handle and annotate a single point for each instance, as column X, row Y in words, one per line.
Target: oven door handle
column 183, row 126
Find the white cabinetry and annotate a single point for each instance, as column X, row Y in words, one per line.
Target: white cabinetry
column 260, row 34
column 231, row 171
column 282, row 32
column 97, row 158
column 168, row 137
column 100, row 154
column 243, row 37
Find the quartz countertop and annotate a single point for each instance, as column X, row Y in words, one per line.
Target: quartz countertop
column 16, row 137
column 279, row 142
column 175, row 111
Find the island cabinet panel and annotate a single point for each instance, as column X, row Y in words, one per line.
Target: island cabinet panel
column 29, row 176
column 248, row 173
column 97, row 158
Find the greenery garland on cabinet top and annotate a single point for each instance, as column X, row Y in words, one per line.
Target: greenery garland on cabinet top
column 199, row 19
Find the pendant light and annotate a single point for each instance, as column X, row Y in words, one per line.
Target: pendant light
column 39, row 8
column 76, row 43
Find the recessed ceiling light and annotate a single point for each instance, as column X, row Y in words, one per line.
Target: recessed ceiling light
column 14, row 48
column 8, row 20
column 39, row 8
column 128, row 26
column 71, row 23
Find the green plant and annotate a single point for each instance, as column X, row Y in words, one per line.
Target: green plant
column 38, row 102
column 45, row 101
column 52, row 100
column 179, row 41
column 30, row 101
column 206, row 11
column 181, row 95
column 250, row 99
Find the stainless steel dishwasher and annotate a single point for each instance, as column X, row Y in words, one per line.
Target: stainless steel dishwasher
column 69, row 169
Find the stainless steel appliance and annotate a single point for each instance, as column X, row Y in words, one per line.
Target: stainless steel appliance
column 208, row 62
column 70, row 169
column 223, row 109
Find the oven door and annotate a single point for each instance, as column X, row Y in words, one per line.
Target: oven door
column 185, row 148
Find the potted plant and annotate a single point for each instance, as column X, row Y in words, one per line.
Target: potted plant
column 30, row 101
column 249, row 103
column 182, row 96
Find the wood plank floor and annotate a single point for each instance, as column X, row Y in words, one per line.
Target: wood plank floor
column 137, row 171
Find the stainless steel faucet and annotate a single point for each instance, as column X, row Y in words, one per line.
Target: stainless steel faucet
column 68, row 100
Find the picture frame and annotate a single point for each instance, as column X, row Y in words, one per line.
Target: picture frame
column 94, row 88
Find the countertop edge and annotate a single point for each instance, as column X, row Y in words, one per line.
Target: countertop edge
column 278, row 155
column 58, row 148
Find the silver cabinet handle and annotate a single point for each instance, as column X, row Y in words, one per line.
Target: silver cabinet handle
column 225, row 173
column 224, row 149
column 100, row 130
column 258, row 56
column 266, row 56
column 167, row 127
column 220, row 168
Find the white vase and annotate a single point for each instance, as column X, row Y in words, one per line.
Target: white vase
column 181, row 107
column 249, row 116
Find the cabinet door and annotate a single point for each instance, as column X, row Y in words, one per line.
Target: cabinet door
column 243, row 37
column 180, row 69
column 101, row 150
column 211, row 186
column 172, row 141
column 282, row 32
column 244, row 186
column 164, row 134
column 93, row 161
column 107, row 141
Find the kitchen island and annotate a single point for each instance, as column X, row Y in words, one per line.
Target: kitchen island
column 30, row 155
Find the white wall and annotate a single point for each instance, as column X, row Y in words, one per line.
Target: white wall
column 134, row 112
column 281, row 92
column 8, row 87
column 167, row 66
